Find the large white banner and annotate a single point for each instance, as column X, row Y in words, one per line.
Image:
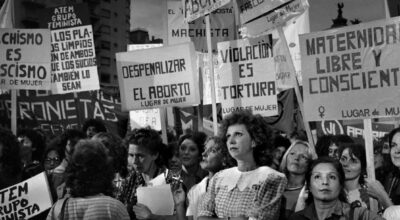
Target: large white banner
column 158, row 77
column 73, row 60
column 25, row 199
column 352, row 72
column 25, row 59
column 247, row 71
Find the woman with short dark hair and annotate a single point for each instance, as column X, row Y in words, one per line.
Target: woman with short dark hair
column 327, row 199
column 89, row 177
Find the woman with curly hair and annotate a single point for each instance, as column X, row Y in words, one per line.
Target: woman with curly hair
column 250, row 190
column 10, row 162
column 144, row 148
column 89, row 177
column 118, row 154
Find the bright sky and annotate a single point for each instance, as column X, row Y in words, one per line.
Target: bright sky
column 151, row 15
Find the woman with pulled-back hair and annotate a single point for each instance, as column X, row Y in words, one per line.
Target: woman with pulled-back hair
column 327, row 199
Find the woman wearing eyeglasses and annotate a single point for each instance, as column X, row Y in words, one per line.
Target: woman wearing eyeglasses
column 52, row 158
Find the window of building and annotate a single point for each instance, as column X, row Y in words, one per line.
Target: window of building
column 106, row 0
column 105, row 61
column 105, row 13
column 115, row 14
column 115, row 45
column 115, row 29
column 104, row 78
column 105, row 29
column 105, row 45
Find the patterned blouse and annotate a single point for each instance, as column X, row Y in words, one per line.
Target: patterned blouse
column 127, row 193
column 255, row 194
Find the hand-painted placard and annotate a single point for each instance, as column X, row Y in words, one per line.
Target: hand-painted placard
column 352, row 72
column 25, row 59
column 26, row 199
column 250, row 9
column 146, row 117
column 158, row 77
column 222, row 22
column 247, row 71
column 73, row 58
column 276, row 17
column 196, row 8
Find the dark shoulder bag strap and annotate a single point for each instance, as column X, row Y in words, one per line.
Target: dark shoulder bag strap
column 59, row 208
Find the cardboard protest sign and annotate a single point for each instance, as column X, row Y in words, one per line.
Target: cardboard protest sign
column 352, row 72
column 65, row 16
column 247, row 73
column 26, row 199
column 158, row 77
column 25, row 59
column 195, row 9
column 277, row 17
column 147, row 117
column 222, row 22
column 250, row 9
column 56, row 113
column 202, row 60
column 73, row 60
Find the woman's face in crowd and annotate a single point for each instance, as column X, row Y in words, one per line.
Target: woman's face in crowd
column 175, row 163
column 278, row 153
column 351, row 165
column 395, row 150
column 324, row 184
column 212, row 157
column 52, row 160
column 333, row 151
column 91, row 131
column 140, row 159
column 239, row 141
column 297, row 159
column 189, row 153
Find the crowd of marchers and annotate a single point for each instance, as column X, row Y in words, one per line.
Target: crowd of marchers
column 247, row 171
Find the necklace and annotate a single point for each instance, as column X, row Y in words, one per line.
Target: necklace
column 294, row 188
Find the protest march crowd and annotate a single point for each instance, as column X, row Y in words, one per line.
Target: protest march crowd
column 247, row 171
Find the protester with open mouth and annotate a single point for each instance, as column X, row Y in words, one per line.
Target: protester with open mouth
column 327, row 199
column 250, row 190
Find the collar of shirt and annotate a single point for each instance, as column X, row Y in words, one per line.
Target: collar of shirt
column 338, row 211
